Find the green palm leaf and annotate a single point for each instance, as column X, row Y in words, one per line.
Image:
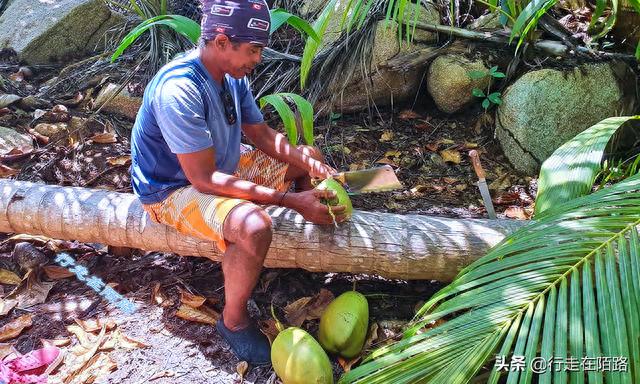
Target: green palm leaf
column 600, row 6
column 278, row 101
column 280, row 16
column 572, row 168
column 610, row 21
column 312, row 46
column 182, row 25
column 566, row 285
column 526, row 15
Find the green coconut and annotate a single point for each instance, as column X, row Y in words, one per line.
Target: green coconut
column 344, row 324
column 342, row 197
column 297, row 358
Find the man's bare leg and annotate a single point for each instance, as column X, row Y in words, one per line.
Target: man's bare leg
column 248, row 232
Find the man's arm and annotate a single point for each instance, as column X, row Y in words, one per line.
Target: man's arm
column 200, row 170
column 277, row 146
column 202, row 174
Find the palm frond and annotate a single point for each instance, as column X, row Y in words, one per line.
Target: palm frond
column 304, row 108
column 565, row 286
column 179, row 24
column 571, row 170
column 280, row 16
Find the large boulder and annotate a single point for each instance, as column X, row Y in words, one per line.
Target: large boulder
column 449, row 83
column 545, row 108
column 54, row 30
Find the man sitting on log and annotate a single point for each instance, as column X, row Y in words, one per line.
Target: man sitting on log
column 191, row 172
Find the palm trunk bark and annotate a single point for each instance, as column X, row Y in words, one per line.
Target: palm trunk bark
column 390, row 245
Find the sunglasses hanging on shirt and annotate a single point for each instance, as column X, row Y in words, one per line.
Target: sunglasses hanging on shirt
column 228, row 103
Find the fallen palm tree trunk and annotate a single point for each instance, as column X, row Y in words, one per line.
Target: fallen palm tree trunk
column 390, row 245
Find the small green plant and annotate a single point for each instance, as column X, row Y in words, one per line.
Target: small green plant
column 614, row 171
column 489, row 98
column 305, row 109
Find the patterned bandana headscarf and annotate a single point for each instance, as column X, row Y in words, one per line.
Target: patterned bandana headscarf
column 242, row 20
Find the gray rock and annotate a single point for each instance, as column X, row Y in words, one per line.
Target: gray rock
column 55, row 30
column 10, row 139
column 449, row 84
column 545, row 108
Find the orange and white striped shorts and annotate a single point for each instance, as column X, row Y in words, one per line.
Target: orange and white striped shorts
column 202, row 215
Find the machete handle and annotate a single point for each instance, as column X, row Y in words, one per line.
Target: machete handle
column 475, row 161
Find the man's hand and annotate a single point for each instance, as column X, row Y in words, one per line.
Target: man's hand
column 320, row 170
column 308, row 204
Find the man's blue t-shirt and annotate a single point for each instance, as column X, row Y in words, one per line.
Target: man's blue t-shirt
column 182, row 112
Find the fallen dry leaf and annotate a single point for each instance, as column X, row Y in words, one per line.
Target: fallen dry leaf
column 97, row 368
column 433, row 147
column 120, row 160
column 319, row 304
column 296, row 312
column 6, row 171
column 41, row 139
column 446, row 142
column 423, row 125
column 386, row 136
column 192, row 314
column 94, row 325
column 346, row 364
column 6, row 349
column 393, row 153
column 30, row 291
column 105, row 138
column 161, row 374
column 308, row 308
column 56, row 342
column 384, row 160
column 451, row 156
column 128, row 342
column 15, row 327
column 420, row 188
column 55, row 272
column 83, row 336
column 80, row 361
column 190, row 299
column 6, row 305
column 8, row 277
column 450, row 180
column 371, row 336
column 269, row 328
column 158, row 297
column 242, row 368
column 516, row 213
column 469, row 145
column 408, row 114
column 17, row 77
column 461, row 187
